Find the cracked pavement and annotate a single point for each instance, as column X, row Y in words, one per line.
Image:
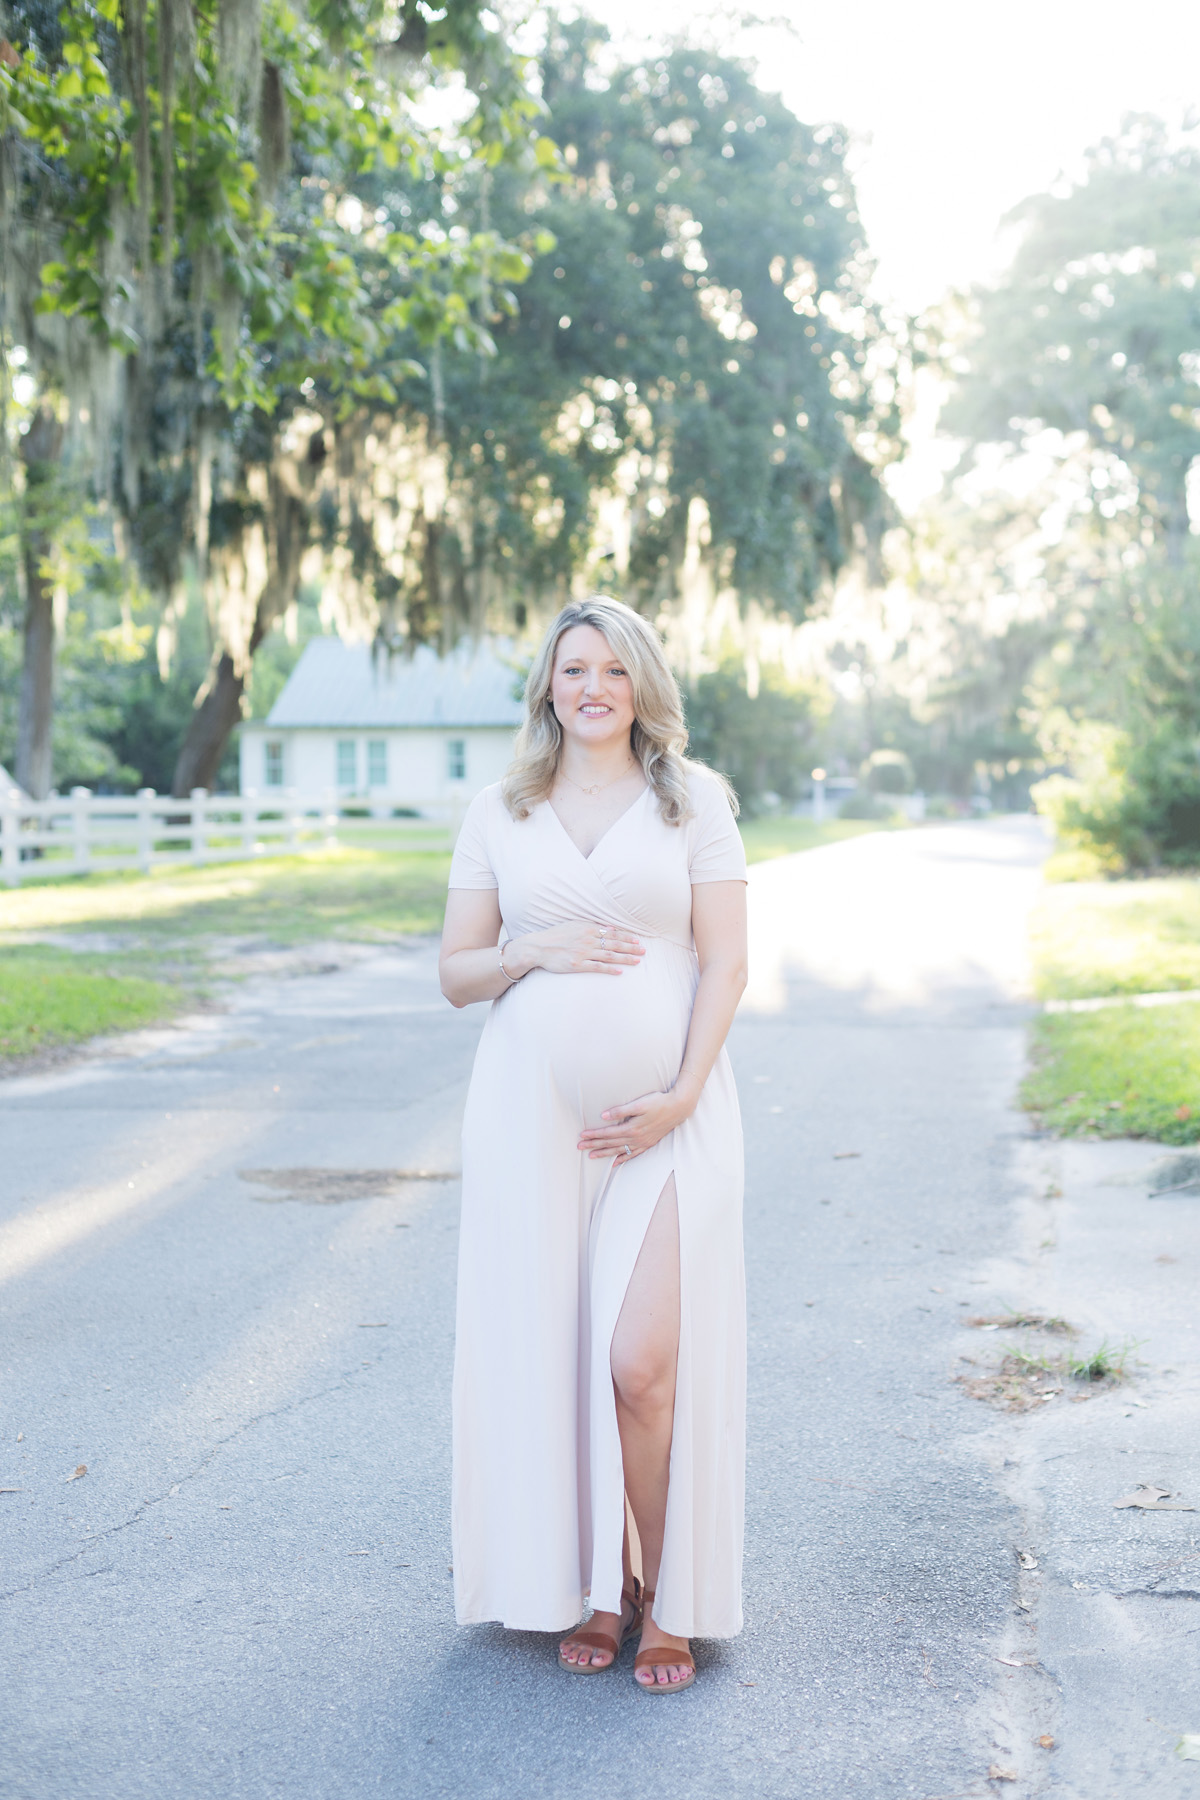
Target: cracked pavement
column 248, row 1592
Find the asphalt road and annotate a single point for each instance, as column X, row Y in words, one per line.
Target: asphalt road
column 248, row 1592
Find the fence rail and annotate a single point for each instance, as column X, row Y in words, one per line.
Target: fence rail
column 85, row 833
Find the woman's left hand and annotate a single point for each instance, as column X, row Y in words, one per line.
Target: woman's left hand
column 638, row 1125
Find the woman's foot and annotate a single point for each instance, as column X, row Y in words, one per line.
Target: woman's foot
column 668, row 1672
column 617, row 1626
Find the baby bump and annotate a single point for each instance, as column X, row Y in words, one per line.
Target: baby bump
column 608, row 1038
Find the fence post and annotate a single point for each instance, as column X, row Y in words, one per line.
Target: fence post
column 81, row 858
column 199, row 825
column 145, row 828
column 291, row 819
column 249, row 799
column 10, row 840
column 330, row 820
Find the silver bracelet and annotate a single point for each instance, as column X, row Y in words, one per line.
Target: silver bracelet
column 511, row 979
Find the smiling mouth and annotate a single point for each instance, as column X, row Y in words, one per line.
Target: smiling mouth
column 595, row 712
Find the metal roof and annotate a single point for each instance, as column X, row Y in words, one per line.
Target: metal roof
column 337, row 685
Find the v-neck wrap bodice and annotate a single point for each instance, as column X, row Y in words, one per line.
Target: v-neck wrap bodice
column 544, row 879
column 549, row 1237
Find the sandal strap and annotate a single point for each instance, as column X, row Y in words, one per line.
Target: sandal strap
column 646, row 1659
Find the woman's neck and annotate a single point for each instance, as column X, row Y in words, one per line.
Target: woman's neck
column 591, row 765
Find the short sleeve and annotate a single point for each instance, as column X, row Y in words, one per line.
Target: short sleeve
column 471, row 865
column 716, row 851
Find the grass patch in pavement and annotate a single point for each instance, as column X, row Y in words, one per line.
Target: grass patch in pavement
column 1122, row 1070
column 1027, row 1377
column 50, row 998
column 768, row 838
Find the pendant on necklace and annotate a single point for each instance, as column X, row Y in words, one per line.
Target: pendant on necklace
column 599, row 786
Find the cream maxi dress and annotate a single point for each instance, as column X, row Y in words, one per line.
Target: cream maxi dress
column 550, row 1237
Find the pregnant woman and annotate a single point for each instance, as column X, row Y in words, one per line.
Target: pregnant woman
column 597, row 898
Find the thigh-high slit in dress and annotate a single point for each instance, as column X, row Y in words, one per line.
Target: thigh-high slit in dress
column 550, row 1237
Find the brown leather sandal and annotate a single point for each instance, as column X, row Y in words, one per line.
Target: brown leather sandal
column 602, row 1640
column 647, row 1659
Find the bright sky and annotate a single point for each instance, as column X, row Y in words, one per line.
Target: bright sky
column 959, row 109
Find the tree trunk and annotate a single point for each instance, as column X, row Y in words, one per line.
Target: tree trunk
column 40, row 450
column 219, row 706
column 213, row 720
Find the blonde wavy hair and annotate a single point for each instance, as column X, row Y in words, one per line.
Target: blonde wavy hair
column 659, row 735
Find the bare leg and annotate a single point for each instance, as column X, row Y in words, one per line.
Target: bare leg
column 644, row 1357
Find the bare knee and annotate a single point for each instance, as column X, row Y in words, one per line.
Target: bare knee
column 645, row 1385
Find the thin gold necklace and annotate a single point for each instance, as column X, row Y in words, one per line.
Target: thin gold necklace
column 600, row 785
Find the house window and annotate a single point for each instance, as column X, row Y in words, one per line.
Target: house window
column 377, row 762
column 347, row 763
column 456, row 759
column 273, row 764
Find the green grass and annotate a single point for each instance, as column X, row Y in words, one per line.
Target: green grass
column 159, row 931
column 767, row 838
column 50, row 997
column 1121, row 1071
column 1117, row 937
column 346, row 892
column 1125, row 1071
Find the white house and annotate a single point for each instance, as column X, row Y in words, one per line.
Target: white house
column 8, row 787
column 420, row 731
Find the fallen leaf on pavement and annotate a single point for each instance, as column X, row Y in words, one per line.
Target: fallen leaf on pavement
column 1046, row 1741
column 81, row 1470
column 996, row 1773
column 845, row 1155
column 1152, row 1499
column 12, row 1490
column 1189, row 1747
column 1014, row 1662
column 374, row 1325
column 1026, row 1560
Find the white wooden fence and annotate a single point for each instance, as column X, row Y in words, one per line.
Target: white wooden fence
column 82, row 832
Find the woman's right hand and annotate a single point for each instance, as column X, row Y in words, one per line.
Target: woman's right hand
column 575, row 949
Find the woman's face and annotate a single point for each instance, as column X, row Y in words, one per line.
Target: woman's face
column 590, row 690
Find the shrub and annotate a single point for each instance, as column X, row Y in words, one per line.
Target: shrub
column 1128, row 726
column 764, row 742
column 888, row 772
